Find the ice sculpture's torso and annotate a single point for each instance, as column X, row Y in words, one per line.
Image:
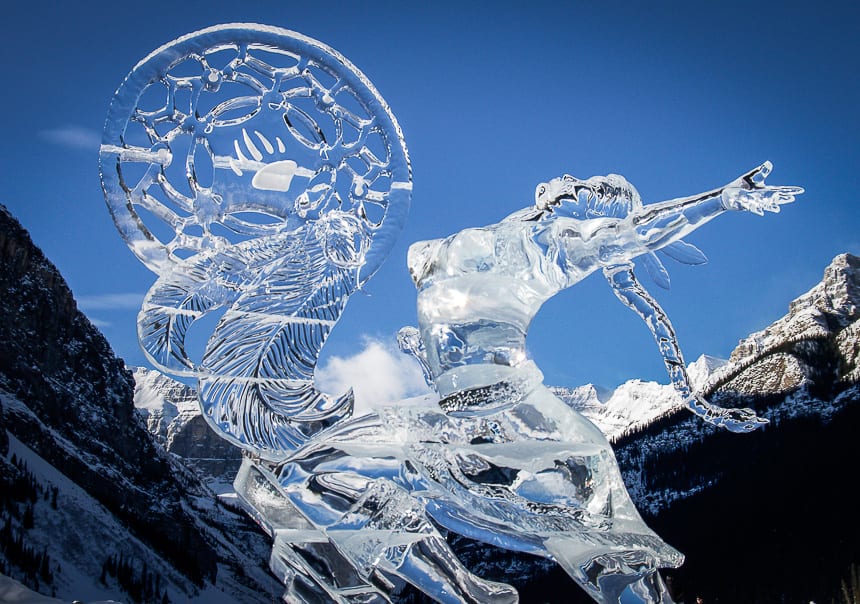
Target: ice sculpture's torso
column 478, row 290
column 504, row 460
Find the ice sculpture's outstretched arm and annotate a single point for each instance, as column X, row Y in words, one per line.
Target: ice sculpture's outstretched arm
column 660, row 224
column 634, row 296
column 610, row 226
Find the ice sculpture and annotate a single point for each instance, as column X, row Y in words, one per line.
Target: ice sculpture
column 259, row 174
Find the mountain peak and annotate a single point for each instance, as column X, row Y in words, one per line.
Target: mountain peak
column 829, row 307
column 838, row 294
column 815, row 342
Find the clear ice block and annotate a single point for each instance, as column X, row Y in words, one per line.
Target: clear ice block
column 261, row 176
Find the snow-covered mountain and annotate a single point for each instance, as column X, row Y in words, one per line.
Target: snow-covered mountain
column 804, row 365
column 773, row 508
column 112, row 486
column 172, row 415
column 92, row 507
column 815, row 344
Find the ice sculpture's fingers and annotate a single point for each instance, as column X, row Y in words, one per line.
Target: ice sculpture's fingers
column 737, row 420
column 790, row 192
column 784, row 195
column 752, row 180
column 744, row 422
column 750, row 193
column 755, row 208
column 740, row 420
column 759, row 174
column 755, row 178
column 760, row 200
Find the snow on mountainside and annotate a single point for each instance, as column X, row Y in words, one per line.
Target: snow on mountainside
column 701, row 370
column 820, row 333
column 631, row 406
column 804, row 365
column 171, row 413
column 91, row 505
column 68, row 524
column 164, row 403
column 635, row 404
column 107, row 478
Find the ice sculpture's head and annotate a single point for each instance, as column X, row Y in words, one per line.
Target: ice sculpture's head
column 599, row 196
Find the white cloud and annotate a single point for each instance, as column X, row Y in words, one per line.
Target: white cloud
column 378, row 375
column 75, row 137
column 99, row 323
column 109, row 302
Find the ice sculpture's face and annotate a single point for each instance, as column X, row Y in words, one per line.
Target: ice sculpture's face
column 599, row 196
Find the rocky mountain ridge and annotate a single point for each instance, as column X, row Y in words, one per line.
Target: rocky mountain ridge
column 172, row 415
column 818, row 340
column 117, row 498
column 91, row 506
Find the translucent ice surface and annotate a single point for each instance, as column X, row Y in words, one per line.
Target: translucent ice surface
column 260, row 175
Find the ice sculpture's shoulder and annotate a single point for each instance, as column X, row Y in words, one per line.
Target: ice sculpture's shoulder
column 420, row 257
column 454, row 253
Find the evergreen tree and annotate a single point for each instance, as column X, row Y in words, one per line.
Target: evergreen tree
column 45, row 567
column 28, row 519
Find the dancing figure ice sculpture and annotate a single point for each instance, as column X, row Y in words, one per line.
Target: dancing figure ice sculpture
column 257, row 172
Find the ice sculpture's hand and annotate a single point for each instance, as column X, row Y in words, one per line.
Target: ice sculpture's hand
column 749, row 192
column 740, row 420
column 732, row 419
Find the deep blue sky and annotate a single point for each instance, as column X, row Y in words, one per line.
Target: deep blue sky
column 493, row 98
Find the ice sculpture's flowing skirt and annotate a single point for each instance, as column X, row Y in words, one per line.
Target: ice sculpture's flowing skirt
column 531, row 476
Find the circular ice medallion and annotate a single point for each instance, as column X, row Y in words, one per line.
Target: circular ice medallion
column 242, row 131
